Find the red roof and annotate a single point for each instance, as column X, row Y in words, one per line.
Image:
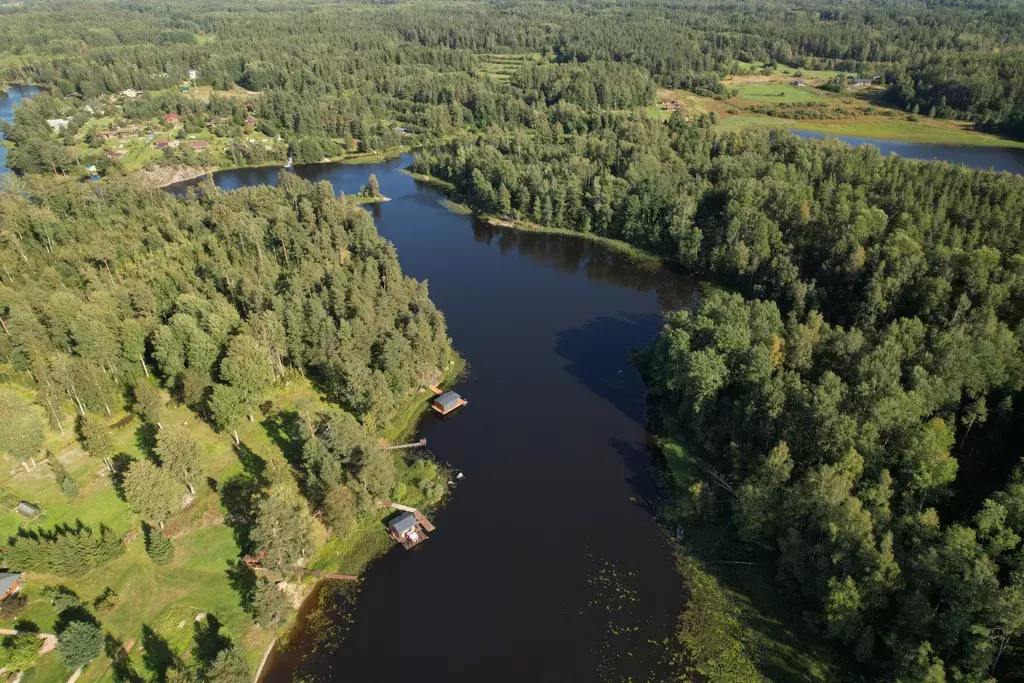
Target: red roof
column 172, row 118
column 199, row 144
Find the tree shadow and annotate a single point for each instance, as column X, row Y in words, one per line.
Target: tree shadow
column 120, row 663
column 242, row 580
column 238, row 495
column 157, row 655
column 208, row 642
column 598, row 355
column 145, row 439
column 283, row 427
column 71, row 614
column 253, row 464
column 120, row 463
column 26, row 626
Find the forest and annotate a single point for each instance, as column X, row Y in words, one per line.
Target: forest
column 848, row 388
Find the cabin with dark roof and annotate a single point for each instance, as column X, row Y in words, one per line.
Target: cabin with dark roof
column 447, row 402
column 10, row 583
column 26, row 509
column 406, row 530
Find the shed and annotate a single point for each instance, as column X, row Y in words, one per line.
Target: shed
column 26, row 509
column 403, row 524
column 9, row 585
column 447, row 402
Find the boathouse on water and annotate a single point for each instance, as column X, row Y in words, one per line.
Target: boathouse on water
column 406, row 530
column 447, row 402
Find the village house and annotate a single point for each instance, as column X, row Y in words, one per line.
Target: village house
column 250, row 121
column 447, row 402
column 9, row 585
column 162, row 144
column 171, row 118
column 866, row 81
column 192, row 73
column 199, row 144
column 130, row 93
column 116, row 154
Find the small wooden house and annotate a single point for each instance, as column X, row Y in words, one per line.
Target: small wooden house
column 26, row 509
column 406, row 530
column 9, row 585
column 447, row 402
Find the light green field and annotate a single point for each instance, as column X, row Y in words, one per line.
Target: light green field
column 782, row 92
column 501, row 66
column 925, row 133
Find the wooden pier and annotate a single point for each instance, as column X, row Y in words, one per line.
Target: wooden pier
column 418, row 444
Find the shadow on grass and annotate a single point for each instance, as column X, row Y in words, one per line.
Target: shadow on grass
column 120, row 463
column 242, row 580
column 157, row 655
column 121, row 666
column 239, row 494
column 145, row 439
column 208, row 642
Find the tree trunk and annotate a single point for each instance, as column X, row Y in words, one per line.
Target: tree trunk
column 160, row 426
column 33, row 462
column 108, row 408
column 238, row 441
column 190, row 488
column 144, row 368
column 25, row 465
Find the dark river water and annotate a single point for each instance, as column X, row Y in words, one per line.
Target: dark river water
column 514, row 584
column 9, row 99
column 984, row 158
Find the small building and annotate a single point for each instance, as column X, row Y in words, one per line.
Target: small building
column 57, row 124
column 800, row 83
column 401, row 131
column 115, row 154
column 406, row 530
column 192, row 73
column 171, row 118
column 447, row 402
column 250, row 121
column 162, row 144
column 184, row 88
column 9, row 585
column 130, row 93
column 865, row 81
column 26, row 509
column 199, row 144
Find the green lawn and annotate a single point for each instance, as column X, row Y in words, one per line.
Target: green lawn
column 782, row 92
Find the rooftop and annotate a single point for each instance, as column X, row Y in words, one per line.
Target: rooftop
column 7, row 581
column 448, row 400
column 404, row 523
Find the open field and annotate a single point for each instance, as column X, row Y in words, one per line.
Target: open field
column 501, row 66
column 779, row 92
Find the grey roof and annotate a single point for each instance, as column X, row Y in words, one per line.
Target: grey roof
column 403, row 523
column 28, row 509
column 448, row 400
column 7, row 580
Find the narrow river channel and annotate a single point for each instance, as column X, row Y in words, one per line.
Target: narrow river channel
column 543, row 553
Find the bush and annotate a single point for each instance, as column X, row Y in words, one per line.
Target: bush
column 19, row 652
column 61, row 597
column 107, row 600
column 79, row 644
column 13, row 607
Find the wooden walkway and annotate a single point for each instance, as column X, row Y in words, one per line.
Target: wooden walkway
column 417, row 444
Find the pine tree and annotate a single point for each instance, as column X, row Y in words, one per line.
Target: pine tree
column 283, row 530
column 373, row 186
column 229, row 667
column 67, row 485
column 79, row 643
column 159, row 548
column 248, row 370
column 147, row 402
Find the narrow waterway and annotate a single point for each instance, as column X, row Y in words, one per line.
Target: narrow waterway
column 983, row 158
column 544, row 564
column 9, row 99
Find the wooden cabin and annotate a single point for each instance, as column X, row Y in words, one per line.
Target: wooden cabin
column 9, row 585
column 406, row 530
column 447, row 402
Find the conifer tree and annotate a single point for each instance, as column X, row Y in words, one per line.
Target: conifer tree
column 95, row 438
column 159, row 548
column 79, row 643
column 151, row 492
column 21, row 429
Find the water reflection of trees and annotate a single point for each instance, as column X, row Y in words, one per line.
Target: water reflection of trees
column 572, row 254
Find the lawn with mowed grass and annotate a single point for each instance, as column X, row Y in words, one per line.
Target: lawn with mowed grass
column 159, row 605
column 779, row 92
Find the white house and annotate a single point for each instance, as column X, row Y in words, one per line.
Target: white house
column 58, row 124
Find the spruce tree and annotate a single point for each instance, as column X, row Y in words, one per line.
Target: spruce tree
column 159, row 547
column 79, row 643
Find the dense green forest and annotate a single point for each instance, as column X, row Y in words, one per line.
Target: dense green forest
column 851, row 402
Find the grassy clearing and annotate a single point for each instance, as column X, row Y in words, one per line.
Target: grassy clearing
column 502, row 66
column 787, row 649
column 778, row 92
column 930, row 132
column 165, row 601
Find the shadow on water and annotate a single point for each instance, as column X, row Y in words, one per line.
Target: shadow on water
column 594, row 352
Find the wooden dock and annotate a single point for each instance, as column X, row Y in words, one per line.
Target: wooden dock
column 417, row 444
